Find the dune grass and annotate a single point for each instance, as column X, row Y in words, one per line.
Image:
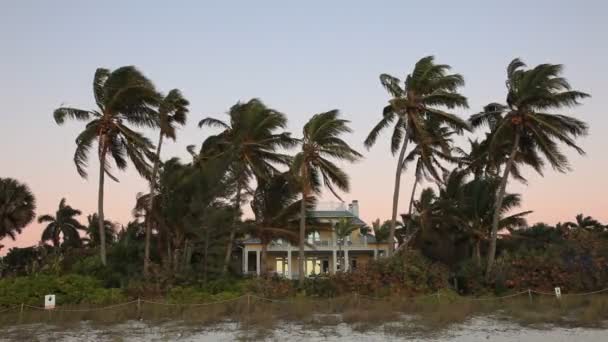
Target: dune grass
column 259, row 317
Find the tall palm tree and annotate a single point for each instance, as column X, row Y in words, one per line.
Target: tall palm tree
column 124, row 97
column 343, row 229
column 172, row 111
column 65, row 224
column 427, row 89
column 275, row 204
column 585, row 222
column 312, row 166
column 526, row 124
column 17, row 207
column 92, row 228
column 250, row 141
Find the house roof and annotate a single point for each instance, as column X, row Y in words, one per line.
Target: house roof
column 250, row 241
column 329, row 214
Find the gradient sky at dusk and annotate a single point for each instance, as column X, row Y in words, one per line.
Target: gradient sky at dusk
column 300, row 58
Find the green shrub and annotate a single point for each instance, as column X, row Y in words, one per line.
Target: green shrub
column 320, row 287
column 69, row 289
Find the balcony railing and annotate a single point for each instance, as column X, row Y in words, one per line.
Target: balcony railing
column 318, row 244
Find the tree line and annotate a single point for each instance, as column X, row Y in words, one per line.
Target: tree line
column 193, row 209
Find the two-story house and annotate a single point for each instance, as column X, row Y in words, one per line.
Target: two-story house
column 324, row 251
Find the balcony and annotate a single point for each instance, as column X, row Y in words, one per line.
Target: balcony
column 321, row 245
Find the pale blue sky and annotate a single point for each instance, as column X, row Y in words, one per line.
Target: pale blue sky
column 298, row 58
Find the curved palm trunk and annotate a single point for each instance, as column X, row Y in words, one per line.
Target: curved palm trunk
column 499, row 200
column 301, row 274
column 391, row 235
column 100, row 216
column 237, row 207
column 150, row 206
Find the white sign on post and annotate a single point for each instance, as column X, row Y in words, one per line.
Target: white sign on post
column 49, row 302
column 558, row 292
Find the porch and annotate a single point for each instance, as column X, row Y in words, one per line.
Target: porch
column 318, row 262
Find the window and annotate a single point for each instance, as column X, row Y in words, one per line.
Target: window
column 316, row 265
column 282, row 267
column 313, row 237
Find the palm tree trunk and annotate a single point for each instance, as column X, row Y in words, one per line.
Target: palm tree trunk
column 237, row 208
column 301, row 240
column 341, row 257
column 263, row 253
column 409, row 214
column 478, row 252
column 206, row 255
column 150, row 206
column 100, row 217
column 500, row 196
column 391, row 234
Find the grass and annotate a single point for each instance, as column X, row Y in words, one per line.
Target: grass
column 258, row 317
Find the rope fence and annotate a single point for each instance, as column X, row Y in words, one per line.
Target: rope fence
column 251, row 297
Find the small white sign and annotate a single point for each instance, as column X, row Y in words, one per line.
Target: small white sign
column 49, row 302
column 558, row 292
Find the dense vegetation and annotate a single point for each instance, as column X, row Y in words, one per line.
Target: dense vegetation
column 186, row 229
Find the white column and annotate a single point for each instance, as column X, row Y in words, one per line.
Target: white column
column 346, row 263
column 245, row 260
column 257, row 262
column 375, row 254
column 335, row 266
column 289, row 276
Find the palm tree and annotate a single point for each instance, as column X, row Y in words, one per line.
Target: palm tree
column 63, row 223
column 172, row 110
column 476, row 211
column 92, row 229
column 312, row 165
column 275, row 203
column 381, row 231
column 250, row 140
column 124, row 97
column 428, row 166
column 526, row 124
column 344, row 227
column 17, row 207
column 428, row 88
column 585, row 222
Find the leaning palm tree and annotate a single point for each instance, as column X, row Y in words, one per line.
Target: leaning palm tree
column 312, row 166
column 528, row 126
column 17, row 207
column 65, row 224
column 343, row 229
column 250, row 141
column 124, row 97
column 172, row 111
column 427, row 89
